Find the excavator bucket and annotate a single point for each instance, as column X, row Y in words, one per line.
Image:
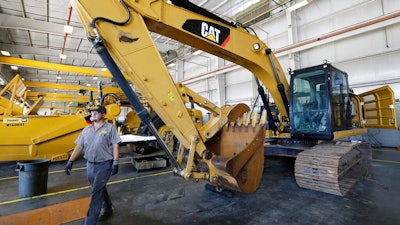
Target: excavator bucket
column 239, row 156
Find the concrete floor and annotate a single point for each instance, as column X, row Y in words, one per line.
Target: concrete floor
column 158, row 197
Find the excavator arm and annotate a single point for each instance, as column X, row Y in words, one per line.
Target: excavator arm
column 231, row 146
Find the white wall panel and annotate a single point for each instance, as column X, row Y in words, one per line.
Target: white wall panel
column 276, row 25
column 372, row 71
column 239, row 86
column 314, row 56
column 391, row 5
column 238, row 76
column 278, row 41
column 392, row 36
column 206, row 88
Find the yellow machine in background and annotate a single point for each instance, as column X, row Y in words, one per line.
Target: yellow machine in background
column 228, row 150
column 26, row 135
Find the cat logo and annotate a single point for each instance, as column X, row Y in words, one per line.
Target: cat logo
column 213, row 32
column 210, row 32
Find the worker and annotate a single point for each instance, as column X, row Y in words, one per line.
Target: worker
column 100, row 143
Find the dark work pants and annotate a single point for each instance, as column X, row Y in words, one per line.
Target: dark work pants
column 98, row 175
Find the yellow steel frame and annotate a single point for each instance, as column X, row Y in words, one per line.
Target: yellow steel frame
column 57, row 97
column 53, row 66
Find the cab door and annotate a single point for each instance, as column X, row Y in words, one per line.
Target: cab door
column 379, row 108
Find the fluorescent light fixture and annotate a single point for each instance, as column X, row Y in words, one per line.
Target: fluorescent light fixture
column 95, row 78
column 5, row 53
column 88, row 85
column 63, row 56
column 297, row 6
column 239, row 8
column 104, row 69
column 14, row 67
column 58, row 77
column 171, row 65
column 198, row 52
column 55, row 89
column 68, row 29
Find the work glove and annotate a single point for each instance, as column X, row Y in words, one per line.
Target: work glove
column 68, row 167
column 114, row 168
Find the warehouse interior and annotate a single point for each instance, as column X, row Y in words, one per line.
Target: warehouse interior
column 51, row 77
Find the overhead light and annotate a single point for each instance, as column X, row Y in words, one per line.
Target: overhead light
column 95, row 78
column 104, row 69
column 5, row 53
column 198, row 52
column 58, row 77
column 241, row 7
column 14, row 67
column 68, row 29
column 63, row 56
column 55, row 89
column 297, row 6
column 88, row 85
column 171, row 65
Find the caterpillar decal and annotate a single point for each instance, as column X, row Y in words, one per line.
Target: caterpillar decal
column 210, row 31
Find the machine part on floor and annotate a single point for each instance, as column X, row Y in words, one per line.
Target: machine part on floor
column 37, row 137
column 149, row 161
column 228, row 150
column 27, row 136
column 332, row 168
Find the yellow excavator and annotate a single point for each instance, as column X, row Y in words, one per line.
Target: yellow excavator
column 306, row 120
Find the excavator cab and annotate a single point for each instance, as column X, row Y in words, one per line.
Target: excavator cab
column 321, row 102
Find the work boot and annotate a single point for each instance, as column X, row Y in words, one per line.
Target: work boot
column 105, row 215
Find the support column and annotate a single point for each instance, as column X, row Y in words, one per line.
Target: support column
column 294, row 62
column 221, row 83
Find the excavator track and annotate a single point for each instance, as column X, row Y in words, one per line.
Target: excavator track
column 332, row 168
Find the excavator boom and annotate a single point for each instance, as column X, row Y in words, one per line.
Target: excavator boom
column 119, row 31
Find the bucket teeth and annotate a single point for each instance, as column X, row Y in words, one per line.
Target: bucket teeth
column 255, row 119
column 239, row 121
column 247, row 120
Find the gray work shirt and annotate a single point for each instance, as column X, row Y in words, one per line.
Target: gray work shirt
column 98, row 145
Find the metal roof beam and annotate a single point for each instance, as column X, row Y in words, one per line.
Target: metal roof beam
column 27, row 50
column 16, row 22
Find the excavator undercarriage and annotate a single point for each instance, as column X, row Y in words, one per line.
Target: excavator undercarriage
column 332, row 168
